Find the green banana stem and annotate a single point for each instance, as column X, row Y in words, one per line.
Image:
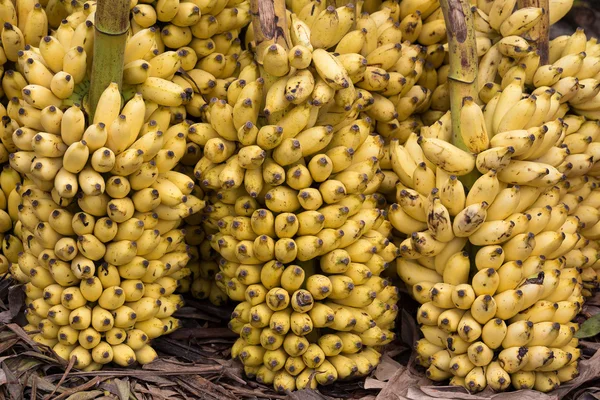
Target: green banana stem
column 269, row 22
column 110, row 37
column 540, row 33
column 462, row 76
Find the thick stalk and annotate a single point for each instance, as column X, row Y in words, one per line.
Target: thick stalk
column 110, row 37
column 269, row 22
column 462, row 76
column 540, row 33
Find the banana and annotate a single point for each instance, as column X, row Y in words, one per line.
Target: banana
column 330, row 69
column 521, row 21
column 446, row 156
column 163, row 92
column 473, row 129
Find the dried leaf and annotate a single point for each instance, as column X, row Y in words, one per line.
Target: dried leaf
column 44, row 384
column 5, row 317
column 386, row 369
column 371, row 383
column 194, row 313
column 5, row 345
column 123, row 389
column 156, row 393
column 594, row 300
column 203, row 333
column 14, row 387
column 86, row 395
column 399, row 384
column 16, row 299
column 20, row 365
column 23, row 335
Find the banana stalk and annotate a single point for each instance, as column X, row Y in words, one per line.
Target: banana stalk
column 462, row 76
column 111, row 24
column 269, row 21
column 540, row 33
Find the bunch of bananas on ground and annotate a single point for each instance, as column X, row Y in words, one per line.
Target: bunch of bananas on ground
column 502, row 262
column 291, row 171
column 97, row 205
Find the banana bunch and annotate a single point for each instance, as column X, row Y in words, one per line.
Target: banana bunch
column 300, row 260
column 98, row 206
column 526, row 248
column 103, row 254
column 290, row 168
column 311, row 164
column 10, row 180
column 503, row 267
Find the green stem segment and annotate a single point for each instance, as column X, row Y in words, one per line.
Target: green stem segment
column 462, row 76
column 269, row 22
column 111, row 24
column 540, row 33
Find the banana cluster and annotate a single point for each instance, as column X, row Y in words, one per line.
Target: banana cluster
column 502, row 267
column 98, row 206
column 290, row 168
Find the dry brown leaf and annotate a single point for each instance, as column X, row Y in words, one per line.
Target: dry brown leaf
column 386, row 369
column 399, row 384
column 21, row 364
column 86, row 395
column 595, row 300
column 15, row 389
column 42, row 384
column 3, row 378
column 22, row 335
column 16, row 300
column 371, row 383
column 203, row 333
column 121, row 388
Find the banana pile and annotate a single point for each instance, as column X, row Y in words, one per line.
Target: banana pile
column 291, row 171
column 97, row 205
column 502, row 267
column 287, row 174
